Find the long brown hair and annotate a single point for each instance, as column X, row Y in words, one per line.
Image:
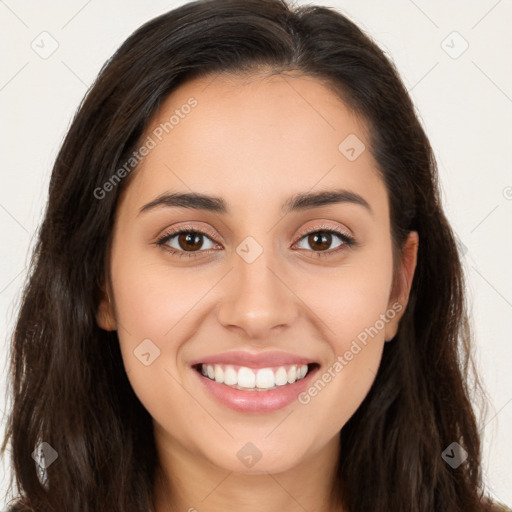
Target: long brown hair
column 69, row 386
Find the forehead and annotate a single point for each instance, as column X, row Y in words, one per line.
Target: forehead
column 270, row 136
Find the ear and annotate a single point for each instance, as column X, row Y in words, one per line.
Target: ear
column 105, row 316
column 402, row 284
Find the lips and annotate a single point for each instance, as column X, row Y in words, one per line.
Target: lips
column 254, row 360
column 256, row 383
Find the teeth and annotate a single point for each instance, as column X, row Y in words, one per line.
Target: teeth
column 248, row 379
column 219, row 374
column 281, row 377
column 264, row 379
column 230, row 376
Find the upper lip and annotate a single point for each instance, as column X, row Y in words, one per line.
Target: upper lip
column 258, row 360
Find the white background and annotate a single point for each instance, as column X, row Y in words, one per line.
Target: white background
column 465, row 104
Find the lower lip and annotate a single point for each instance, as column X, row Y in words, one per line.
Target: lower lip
column 256, row 401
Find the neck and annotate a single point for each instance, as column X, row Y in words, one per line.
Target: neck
column 189, row 482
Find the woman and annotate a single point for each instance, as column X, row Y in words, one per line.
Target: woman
column 266, row 370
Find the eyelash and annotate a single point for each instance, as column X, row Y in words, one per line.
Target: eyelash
column 347, row 241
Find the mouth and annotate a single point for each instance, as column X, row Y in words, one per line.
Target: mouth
column 245, row 378
column 262, row 380
column 258, row 379
column 250, row 382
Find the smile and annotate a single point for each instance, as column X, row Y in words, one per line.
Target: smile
column 254, row 382
column 258, row 379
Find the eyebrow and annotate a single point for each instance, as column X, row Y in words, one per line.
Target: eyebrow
column 298, row 202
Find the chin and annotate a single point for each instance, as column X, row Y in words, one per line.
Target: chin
column 249, row 460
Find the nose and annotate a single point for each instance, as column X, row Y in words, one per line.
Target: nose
column 258, row 300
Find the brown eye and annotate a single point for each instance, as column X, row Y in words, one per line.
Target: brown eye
column 189, row 240
column 190, row 243
column 185, row 242
column 320, row 241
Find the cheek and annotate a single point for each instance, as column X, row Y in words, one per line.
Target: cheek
column 151, row 298
column 353, row 306
column 152, row 303
column 342, row 383
column 155, row 311
column 351, row 298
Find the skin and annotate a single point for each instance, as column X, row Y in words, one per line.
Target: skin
column 253, row 141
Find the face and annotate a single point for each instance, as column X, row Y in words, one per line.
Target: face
column 258, row 284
